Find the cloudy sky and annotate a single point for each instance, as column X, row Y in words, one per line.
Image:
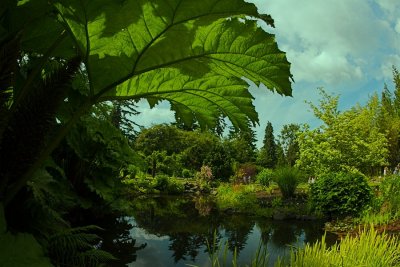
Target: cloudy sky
column 347, row 47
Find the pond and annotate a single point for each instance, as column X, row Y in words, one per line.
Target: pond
column 176, row 231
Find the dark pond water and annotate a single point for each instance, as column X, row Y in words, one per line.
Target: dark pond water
column 176, row 231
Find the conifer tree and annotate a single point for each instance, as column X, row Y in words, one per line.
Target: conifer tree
column 268, row 155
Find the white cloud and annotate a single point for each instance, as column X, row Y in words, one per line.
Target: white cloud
column 386, row 67
column 391, row 8
column 333, row 41
column 331, row 68
column 149, row 116
column 397, row 27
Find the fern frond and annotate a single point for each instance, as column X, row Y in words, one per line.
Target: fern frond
column 76, row 247
column 32, row 121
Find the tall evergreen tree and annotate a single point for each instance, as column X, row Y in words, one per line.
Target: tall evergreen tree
column 280, row 155
column 122, row 116
column 268, row 153
column 389, row 118
column 396, row 100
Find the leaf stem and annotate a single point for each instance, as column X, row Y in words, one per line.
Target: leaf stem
column 36, row 71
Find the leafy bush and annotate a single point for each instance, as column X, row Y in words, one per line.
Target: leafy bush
column 245, row 173
column 239, row 197
column 168, row 185
column 338, row 194
column 161, row 182
column 265, row 177
column 287, row 179
column 175, row 187
column 186, row 173
column 205, row 174
column 390, row 188
column 131, row 171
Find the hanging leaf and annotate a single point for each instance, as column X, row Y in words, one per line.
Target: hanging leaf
column 192, row 53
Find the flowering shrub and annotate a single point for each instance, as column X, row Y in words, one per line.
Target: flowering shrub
column 245, row 173
column 205, row 174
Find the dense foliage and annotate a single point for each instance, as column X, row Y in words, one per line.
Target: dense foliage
column 181, row 153
column 265, row 177
column 347, row 141
column 340, row 194
column 288, row 143
column 390, row 197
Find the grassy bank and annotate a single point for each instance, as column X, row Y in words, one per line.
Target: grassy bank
column 366, row 248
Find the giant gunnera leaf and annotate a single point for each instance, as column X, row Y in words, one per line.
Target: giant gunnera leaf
column 195, row 54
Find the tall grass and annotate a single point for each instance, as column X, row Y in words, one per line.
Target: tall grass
column 375, row 218
column 367, row 249
column 287, row 179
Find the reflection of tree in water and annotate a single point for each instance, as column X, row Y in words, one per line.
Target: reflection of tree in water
column 314, row 231
column 117, row 240
column 265, row 227
column 188, row 244
column 237, row 230
column 204, row 205
column 284, row 233
column 185, row 244
column 181, row 221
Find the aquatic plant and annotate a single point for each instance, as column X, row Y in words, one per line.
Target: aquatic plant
column 367, row 249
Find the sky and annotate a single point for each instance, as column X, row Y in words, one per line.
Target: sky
column 348, row 47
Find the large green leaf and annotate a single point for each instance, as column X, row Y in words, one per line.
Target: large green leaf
column 192, row 53
column 21, row 250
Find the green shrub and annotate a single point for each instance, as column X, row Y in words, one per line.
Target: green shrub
column 238, row 197
column 244, row 173
column 287, row 179
column 340, row 194
column 161, row 182
column 205, row 174
column 168, row 185
column 186, row 173
column 175, row 187
column 390, row 188
column 265, row 177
